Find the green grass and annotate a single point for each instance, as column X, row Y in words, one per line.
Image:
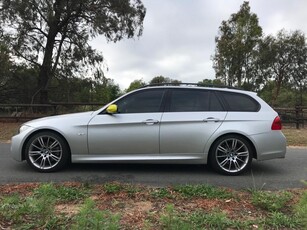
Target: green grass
column 203, row 190
column 90, row 217
column 301, row 210
column 270, row 201
column 60, row 193
column 112, row 187
column 56, row 206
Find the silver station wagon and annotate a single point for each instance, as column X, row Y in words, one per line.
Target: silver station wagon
column 182, row 124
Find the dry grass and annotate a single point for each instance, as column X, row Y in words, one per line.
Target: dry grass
column 7, row 130
column 295, row 137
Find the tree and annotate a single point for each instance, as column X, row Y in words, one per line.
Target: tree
column 162, row 80
column 283, row 59
column 5, row 65
column 236, row 47
column 210, row 82
column 136, row 84
column 54, row 35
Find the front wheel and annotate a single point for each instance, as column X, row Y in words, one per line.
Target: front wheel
column 46, row 152
column 231, row 155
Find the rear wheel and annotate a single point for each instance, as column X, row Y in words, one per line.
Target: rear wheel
column 47, row 152
column 231, row 155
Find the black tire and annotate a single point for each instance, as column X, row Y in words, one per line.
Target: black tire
column 231, row 155
column 47, row 152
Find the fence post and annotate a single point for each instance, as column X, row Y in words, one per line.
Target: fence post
column 297, row 117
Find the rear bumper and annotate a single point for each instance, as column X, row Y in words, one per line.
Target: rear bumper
column 270, row 145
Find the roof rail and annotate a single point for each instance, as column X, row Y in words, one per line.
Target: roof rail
column 191, row 84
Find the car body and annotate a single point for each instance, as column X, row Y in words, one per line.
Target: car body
column 183, row 124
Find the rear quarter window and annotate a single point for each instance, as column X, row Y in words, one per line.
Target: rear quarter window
column 239, row 102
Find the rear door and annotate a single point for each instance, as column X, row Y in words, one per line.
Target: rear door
column 191, row 117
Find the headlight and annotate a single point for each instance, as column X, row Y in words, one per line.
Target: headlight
column 23, row 128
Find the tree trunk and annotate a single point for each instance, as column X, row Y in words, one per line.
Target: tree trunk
column 276, row 90
column 45, row 73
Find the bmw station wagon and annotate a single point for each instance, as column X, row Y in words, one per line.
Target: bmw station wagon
column 182, row 124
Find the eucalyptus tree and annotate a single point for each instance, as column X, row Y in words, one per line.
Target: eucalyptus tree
column 136, row 84
column 5, row 65
column 163, row 80
column 54, row 35
column 283, row 60
column 236, row 47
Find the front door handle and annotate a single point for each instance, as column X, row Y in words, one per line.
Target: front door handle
column 211, row 119
column 150, row 122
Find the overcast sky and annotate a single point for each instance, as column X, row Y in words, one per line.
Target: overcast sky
column 178, row 37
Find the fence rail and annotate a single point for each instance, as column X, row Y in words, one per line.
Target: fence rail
column 24, row 112
column 297, row 115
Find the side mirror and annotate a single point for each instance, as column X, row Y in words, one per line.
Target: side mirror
column 112, row 109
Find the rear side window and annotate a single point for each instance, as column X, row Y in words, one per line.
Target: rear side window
column 186, row 100
column 240, row 102
column 192, row 100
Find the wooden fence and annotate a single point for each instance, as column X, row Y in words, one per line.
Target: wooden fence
column 296, row 116
column 22, row 112
column 25, row 112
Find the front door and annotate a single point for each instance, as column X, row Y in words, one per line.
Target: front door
column 133, row 130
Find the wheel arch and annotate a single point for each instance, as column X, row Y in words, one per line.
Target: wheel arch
column 44, row 130
column 237, row 134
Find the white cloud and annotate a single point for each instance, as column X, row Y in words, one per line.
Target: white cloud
column 178, row 37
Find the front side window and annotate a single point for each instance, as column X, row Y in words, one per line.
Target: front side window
column 145, row 101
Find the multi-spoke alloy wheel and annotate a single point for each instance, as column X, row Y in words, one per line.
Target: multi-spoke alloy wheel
column 46, row 152
column 231, row 155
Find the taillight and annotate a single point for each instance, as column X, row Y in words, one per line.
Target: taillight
column 276, row 125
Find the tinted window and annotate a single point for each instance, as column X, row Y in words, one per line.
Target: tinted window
column 145, row 101
column 184, row 100
column 215, row 104
column 240, row 102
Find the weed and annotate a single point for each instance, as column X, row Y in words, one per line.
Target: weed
column 281, row 220
column 27, row 212
column 212, row 220
column 112, row 187
column 171, row 220
column 205, row 191
column 161, row 193
column 132, row 190
column 61, row 192
column 90, row 217
column 270, row 201
column 301, row 210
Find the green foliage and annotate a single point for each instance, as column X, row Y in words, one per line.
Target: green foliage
column 172, row 220
column 55, row 37
column 37, row 211
column 160, row 80
column 236, row 48
column 270, row 201
column 283, row 60
column 112, row 187
column 301, row 210
column 212, row 220
column 209, row 82
column 60, row 192
column 161, row 193
column 90, row 217
column 205, row 191
column 136, row 84
column 280, row 220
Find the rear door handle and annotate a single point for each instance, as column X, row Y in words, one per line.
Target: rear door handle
column 211, row 119
column 150, row 122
